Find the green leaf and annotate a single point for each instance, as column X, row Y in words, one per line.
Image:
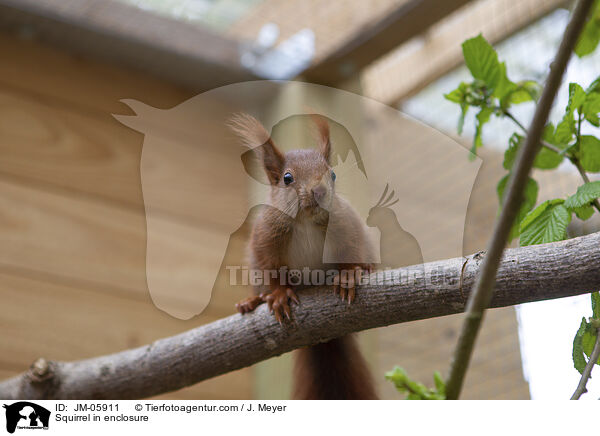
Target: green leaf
column 588, row 341
column 589, row 39
column 596, row 304
column 565, row 130
column 511, row 152
column 538, row 211
column 457, row 95
column 578, row 360
column 576, row 97
column 505, row 86
column 590, row 36
column 583, row 212
column 546, row 223
column 548, row 134
column 482, row 61
column 594, row 86
column 590, row 153
column 531, row 193
column 591, row 107
column 522, row 92
column 440, row 385
column 584, row 196
column 482, row 117
column 464, row 108
column 545, row 159
column 454, row 96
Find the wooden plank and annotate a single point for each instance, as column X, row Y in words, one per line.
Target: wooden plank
column 70, row 150
column 60, row 322
column 420, row 61
column 67, row 161
column 410, row 19
column 180, row 51
column 95, row 245
column 333, row 23
column 84, row 154
column 79, row 82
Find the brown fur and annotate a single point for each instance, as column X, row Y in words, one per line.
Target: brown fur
column 334, row 370
column 296, row 239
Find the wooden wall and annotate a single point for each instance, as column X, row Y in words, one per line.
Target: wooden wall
column 73, row 236
column 72, row 226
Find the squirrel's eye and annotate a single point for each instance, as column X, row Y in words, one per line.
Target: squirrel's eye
column 288, row 178
column 333, row 176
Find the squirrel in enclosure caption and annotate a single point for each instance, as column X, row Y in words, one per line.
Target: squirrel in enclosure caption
column 111, row 413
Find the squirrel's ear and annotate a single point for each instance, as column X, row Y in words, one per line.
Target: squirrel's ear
column 323, row 139
column 255, row 136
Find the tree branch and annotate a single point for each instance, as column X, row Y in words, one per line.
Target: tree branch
column 587, row 371
column 484, row 287
column 539, row 272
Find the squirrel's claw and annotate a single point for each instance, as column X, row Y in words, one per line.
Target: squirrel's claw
column 278, row 303
column 344, row 284
column 248, row 304
column 291, row 294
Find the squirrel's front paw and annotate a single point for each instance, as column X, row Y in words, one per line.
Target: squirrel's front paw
column 344, row 284
column 248, row 304
column 278, row 302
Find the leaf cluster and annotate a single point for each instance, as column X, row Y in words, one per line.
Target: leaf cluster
column 415, row 390
column 585, row 338
column 492, row 92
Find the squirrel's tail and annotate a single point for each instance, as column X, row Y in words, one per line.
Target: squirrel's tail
column 334, row 370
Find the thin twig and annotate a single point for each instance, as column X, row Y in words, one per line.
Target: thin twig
column 481, row 296
column 545, row 144
column 517, row 122
column 551, row 147
column 534, row 273
column 587, row 372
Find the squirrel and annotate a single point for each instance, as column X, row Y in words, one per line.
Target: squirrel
column 305, row 216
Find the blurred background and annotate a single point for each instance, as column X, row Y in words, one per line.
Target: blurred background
column 72, row 224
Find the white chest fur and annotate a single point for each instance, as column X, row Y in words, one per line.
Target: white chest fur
column 306, row 246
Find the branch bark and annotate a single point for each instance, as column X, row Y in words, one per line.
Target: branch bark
column 484, row 287
column 435, row 289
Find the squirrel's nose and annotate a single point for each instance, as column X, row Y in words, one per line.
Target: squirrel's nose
column 319, row 192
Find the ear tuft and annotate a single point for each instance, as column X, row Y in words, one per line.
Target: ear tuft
column 323, row 138
column 249, row 129
column 255, row 136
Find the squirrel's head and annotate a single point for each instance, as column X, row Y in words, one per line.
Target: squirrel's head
column 301, row 178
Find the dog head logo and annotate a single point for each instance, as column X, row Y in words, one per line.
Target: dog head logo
column 26, row 415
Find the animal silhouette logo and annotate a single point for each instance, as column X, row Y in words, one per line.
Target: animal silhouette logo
column 202, row 188
column 398, row 247
column 26, row 415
